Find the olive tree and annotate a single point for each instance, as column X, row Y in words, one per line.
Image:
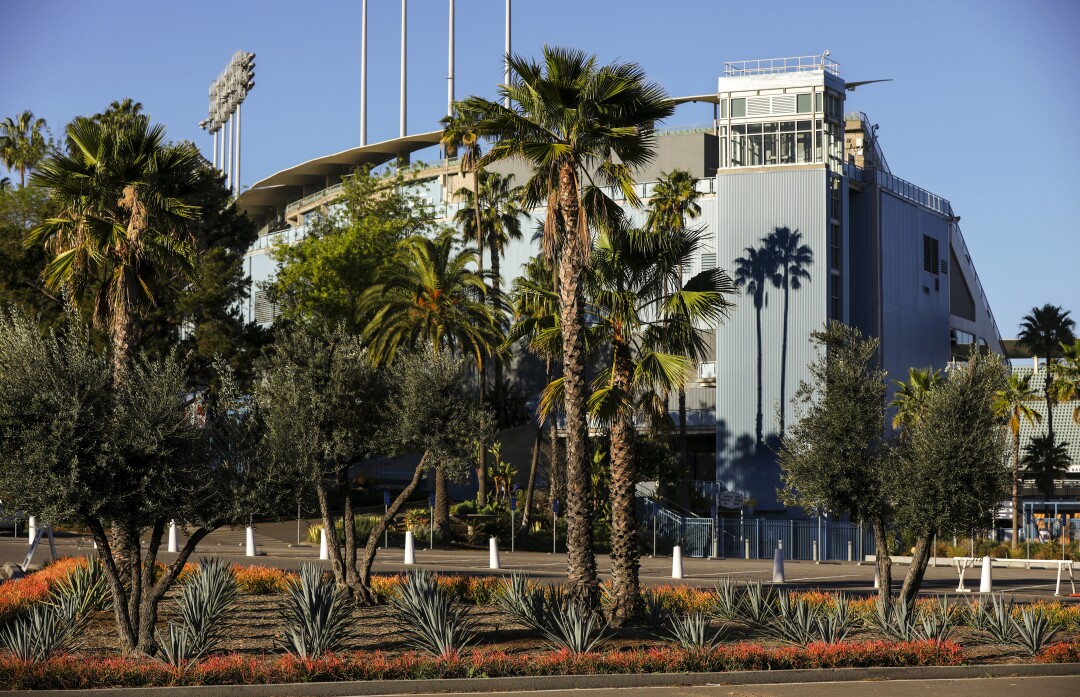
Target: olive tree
column 86, row 442
column 835, row 456
column 952, row 467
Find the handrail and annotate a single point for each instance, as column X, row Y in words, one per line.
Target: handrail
column 793, row 64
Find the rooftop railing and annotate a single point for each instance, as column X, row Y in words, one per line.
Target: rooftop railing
column 312, row 198
column 771, row 66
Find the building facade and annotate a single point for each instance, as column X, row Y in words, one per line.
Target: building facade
column 801, row 209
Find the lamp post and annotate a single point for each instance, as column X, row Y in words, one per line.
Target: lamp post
column 386, row 510
column 513, row 507
column 227, row 93
column 554, row 525
column 431, row 521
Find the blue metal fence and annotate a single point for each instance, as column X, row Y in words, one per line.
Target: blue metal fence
column 756, row 538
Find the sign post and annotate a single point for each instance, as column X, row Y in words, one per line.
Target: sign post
column 554, row 525
column 386, row 509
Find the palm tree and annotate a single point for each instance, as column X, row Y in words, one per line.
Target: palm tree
column 791, row 257
column 1067, row 378
column 1011, row 406
column 428, row 296
column 673, row 203
column 121, row 220
column 1045, row 461
column 22, row 143
column 910, row 400
column 536, row 321
column 648, row 319
column 752, row 272
column 570, row 118
column 1043, row 331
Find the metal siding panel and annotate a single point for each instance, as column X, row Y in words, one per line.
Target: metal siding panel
column 750, row 206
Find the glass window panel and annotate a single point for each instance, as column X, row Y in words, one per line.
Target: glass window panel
column 770, row 149
column 803, row 103
column 787, row 126
column 787, row 148
column 723, row 108
column 754, row 155
column 817, row 101
column 817, row 146
column 738, row 108
column 738, row 150
column 817, row 124
column 803, row 148
column 769, row 127
column 738, row 128
column 753, row 128
column 802, row 125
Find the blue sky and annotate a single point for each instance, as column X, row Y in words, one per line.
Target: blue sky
column 981, row 108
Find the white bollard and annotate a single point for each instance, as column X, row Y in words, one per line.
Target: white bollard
column 676, row 562
column 250, row 541
column 410, row 548
column 173, row 547
column 877, row 577
column 324, row 550
column 493, row 553
column 31, row 527
column 986, row 584
column 814, row 552
column 778, row 566
column 746, row 547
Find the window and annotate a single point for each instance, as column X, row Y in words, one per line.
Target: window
column 836, row 300
column 817, row 102
column 771, row 143
column 738, row 108
column 723, row 108
column 930, row 254
column 836, row 249
column 803, row 102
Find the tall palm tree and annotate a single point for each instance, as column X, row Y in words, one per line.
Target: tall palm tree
column 22, row 143
column 1011, row 406
column 580, row 126
column 910, row 400
column 536, row 321
column 1043, row 331
column 752, row 273
column 429, row 296
column 1045, row 461
column 1067, row 377
column 501, row 212
column 673, row 203
column 649, row 320
column 121, row 220
column 791, row 257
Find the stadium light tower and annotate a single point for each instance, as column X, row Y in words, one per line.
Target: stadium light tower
column 227, row 93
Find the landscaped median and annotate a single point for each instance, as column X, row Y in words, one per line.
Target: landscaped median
column 68, row 672
column 237, row 625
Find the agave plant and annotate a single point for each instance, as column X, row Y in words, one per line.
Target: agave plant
column 978, row 613
column 692, row 631
column 757, row 608
column 204, row 604
column 432, row 619
column 796, row 621
column 1032, row 632
column 999, row 623
column 937, row 622
column 655, row 609
column 87, row 585
column 523, row 600
column 574, row 626
column 316, row 615
column 726, row 603
column 900, row 623
column 45, row 631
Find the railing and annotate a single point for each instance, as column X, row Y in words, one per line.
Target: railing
column 907, row 190
column 769, row 66
column 756, row 538
column 683, row 130
column 312, row 198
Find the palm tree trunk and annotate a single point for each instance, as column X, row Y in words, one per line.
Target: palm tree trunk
column 684, row 454
column 783, row 355
column 581, row 562
column 534, row 464
column 481, row 457
column 1049, row 404
column 496, row 305
column 1016, row 489
column 759, row 426
column 624, row 542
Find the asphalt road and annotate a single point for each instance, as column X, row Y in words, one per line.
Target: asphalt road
column 276, row 547
column 974, row 687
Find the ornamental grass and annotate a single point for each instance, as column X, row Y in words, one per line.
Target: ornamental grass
column 18, row 595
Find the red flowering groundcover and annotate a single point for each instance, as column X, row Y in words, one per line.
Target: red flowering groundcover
column 1062, row 652
column 72, row 673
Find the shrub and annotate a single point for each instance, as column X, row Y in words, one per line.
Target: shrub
column 573, row 626
column 757, row 608
column 261, row 580
column 525, row 601
column 1062, row 652
column 1031, row 631
column 692, row 631
column 16, row 597
column 45, row 631
column 316, row 616
column 86, row 586
column 204, row 603
column 899, row 622
column 431, row 617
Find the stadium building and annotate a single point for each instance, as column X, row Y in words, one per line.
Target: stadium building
column 800, row 207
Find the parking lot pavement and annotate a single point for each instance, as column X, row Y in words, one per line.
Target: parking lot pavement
column 274, row 540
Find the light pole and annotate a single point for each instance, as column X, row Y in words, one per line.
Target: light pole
column 386, row 510
column 554, row 525
column 227, row 93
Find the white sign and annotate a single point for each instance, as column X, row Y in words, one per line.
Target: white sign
column 730, row 499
